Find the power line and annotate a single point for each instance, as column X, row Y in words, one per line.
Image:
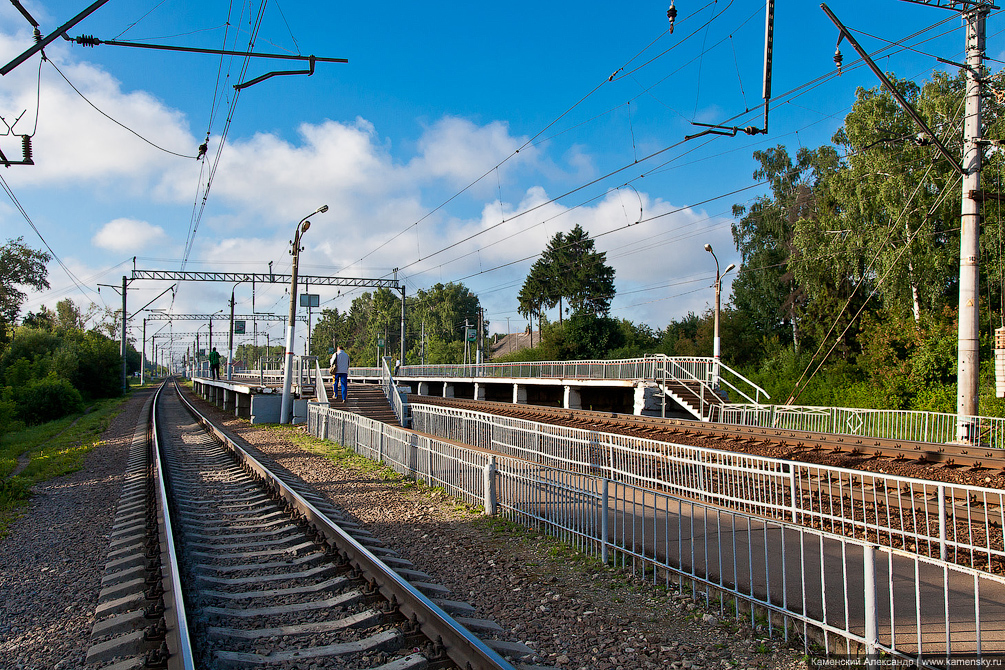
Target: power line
column 17, row 204
column 115, row 121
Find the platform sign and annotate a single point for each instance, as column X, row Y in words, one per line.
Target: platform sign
column 380, row 341
column 310, row 300
column 239, row 328
column 472, row 335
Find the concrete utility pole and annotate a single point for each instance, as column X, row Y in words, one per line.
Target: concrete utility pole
column 125, row 385
column 968, row 365
column 716, row 342
column 230, row 346
column 974, row 13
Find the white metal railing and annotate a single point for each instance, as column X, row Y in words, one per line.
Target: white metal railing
column 319, row 384
column 933, row 518
column 708, row 373
column 935, row 427
column 395, row 395
column 893, row 601
column 270, row 371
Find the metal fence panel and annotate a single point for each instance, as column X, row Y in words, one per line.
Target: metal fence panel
column 807, row 578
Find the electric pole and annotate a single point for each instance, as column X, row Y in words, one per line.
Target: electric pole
column 974, row 14
column 968, row 365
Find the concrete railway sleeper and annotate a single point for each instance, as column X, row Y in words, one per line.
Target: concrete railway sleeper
column 266, row 572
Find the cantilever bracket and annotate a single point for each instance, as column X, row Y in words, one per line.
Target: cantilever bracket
column 252, row 82
column 728, row 131
column 845, row 34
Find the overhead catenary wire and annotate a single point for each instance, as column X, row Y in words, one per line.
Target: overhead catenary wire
column 113, row 120
column 21, row 210
column 781, row 97
column 533, row 138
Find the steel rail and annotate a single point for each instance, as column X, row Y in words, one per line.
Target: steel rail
column 459, row 644
column 179, row 641
column 950, row 455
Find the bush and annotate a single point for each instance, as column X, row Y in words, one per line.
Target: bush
column 47, row 399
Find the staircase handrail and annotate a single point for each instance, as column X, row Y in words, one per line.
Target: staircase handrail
column 394, row 396
column 707, row 378
column 673, row 369
column 319, row 388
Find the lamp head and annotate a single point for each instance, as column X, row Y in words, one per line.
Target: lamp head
column 322, row 209
column 307, row 224
column 729, row 267
column 708, row 248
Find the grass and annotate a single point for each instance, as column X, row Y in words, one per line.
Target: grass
column 53, row 449
column 334, row 452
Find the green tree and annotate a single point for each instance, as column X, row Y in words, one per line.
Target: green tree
column 890, row 216
column 69, row 316
column 328, row 331
column 588, row 279
column 766, row 291
column 569, row 269
column 20, row 265
column 441, row 313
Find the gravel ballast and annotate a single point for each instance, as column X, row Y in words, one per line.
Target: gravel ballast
column 573, row 612
column 53, row 558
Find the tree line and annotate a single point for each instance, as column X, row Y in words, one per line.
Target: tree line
column 51, row 364
column 845, row 292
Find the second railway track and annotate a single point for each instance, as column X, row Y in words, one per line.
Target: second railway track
column 736, row 436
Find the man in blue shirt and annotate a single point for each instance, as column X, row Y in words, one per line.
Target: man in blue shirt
column 339, row 366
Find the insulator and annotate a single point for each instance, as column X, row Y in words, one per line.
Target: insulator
column 88, row 41
column 838, row 59
column 26, row 149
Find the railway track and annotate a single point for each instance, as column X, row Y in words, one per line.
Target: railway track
column 949, row 455
column 917, row 518
column 249, row 568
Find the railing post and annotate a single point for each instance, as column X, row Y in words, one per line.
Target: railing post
column 871, row 614
column 792, row 492
column 604, row 506
column 490, row 487
column 942, row 522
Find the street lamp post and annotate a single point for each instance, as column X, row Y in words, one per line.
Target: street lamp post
column 230, row 348
column 198, row 356
column 716, row 342
column 286, row 410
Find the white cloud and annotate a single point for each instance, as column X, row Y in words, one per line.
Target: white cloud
column 74, row 143
column 129, row 235
column 458, row 150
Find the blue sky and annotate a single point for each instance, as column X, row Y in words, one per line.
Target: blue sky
column 412, row 142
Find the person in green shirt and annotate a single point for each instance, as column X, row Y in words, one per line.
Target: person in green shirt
column 214, row 364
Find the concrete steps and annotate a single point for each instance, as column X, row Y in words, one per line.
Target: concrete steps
column 367, row 400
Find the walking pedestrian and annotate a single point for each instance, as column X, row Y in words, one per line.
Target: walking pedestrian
column 339, row 367
column 214, row 364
